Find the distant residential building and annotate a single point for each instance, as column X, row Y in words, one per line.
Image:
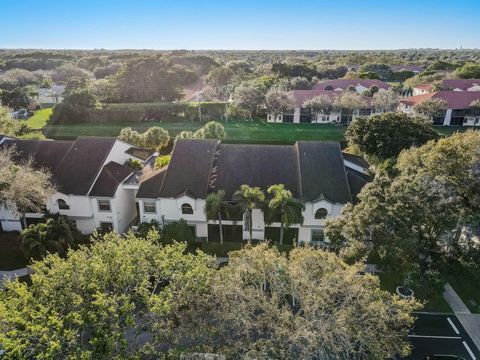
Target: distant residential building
column 300, row 115
column 422, row 89
column 315, row 172
column 461, row 84
column 458, row 110
column 51, row 95
column 449, row 85
column 360, row 85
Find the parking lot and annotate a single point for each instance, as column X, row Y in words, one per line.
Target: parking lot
column 440, row 335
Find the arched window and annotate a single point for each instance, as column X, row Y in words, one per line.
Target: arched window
column 187, row 209
column 62, row 205
column 321, row 213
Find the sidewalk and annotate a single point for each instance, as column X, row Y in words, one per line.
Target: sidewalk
column 469, row 321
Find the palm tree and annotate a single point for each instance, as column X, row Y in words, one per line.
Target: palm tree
column 249, row 198
column 285, row 205
column 52, row 236
column 214, row 205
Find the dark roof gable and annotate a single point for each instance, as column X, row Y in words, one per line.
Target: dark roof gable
column 311, row 170
column 112, row 175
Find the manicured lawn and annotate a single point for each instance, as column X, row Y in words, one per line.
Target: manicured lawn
column 466, row 285
column 39, row 120
column 237, row 131
column 11, row 257
column 436, row 302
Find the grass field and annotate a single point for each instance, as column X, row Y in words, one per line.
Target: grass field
column 40, row 119
column 433, row 302
column 237, row 131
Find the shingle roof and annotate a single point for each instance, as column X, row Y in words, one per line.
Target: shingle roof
column 311, row 170
column 151, row 185
column 345, row 83
column 301, row 95
column 74, row 164
column 112, row 175
column 463, row 84
column 46, row 154
column 78, row 170
column 426, row 87
column 356, row 181
column 454, row 99
column 356, row 160
column 322, row 172
column 189, row 168
column 142, row 154
column 255, row 165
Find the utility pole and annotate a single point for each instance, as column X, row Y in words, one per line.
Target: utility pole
column 226, row 103
column 199, row 100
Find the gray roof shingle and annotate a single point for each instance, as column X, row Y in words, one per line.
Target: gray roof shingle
column 112, row 175
column 311, row 170
column 189, row 168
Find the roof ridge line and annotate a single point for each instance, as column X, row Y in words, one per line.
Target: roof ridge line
column 100, row 167
column 299, row 167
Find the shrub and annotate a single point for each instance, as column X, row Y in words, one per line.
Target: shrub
column 133, row 164
column 139, row 112
column 162, row 161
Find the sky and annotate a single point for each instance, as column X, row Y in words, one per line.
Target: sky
column 239, row 24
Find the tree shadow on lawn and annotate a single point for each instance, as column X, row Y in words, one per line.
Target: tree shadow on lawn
column 11, row 256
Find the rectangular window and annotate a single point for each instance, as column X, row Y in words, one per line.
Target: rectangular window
column 104, row 205
column 150, row 207
column 318, row 236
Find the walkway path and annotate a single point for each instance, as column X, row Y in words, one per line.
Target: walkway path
column 469, row 321
column 10, row 275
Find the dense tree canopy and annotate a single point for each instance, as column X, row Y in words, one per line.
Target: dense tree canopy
column 384, row 135
column 309, row 305
column 413, row 219
column 129, row 298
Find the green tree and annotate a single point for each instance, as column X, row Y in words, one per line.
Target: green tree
column 23, row 187
column 214, row 206
column 285, row 206
column 211, row 130
column 155, row 138
column 249, row 198
column 410, row 221
column 264, row 302
column 469, row 71
column 121, row 298
column 54, row 235
column 8, row 125
column 383, row 136
column 248, row 97
column 278, row 102
column 431, row 108
column 17, row 98
column 320, row 105
column 385, row 100
column 350, row 101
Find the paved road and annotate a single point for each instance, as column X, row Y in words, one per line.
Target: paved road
column 441, row 334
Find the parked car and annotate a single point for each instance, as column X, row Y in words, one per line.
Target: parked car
column 443, row 357
column 21, row 114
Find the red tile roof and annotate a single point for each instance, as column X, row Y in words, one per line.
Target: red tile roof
column 301, row 95
column 454, row 99
column 463, row 84
column 345, row 83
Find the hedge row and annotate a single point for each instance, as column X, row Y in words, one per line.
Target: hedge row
column 65, row 113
